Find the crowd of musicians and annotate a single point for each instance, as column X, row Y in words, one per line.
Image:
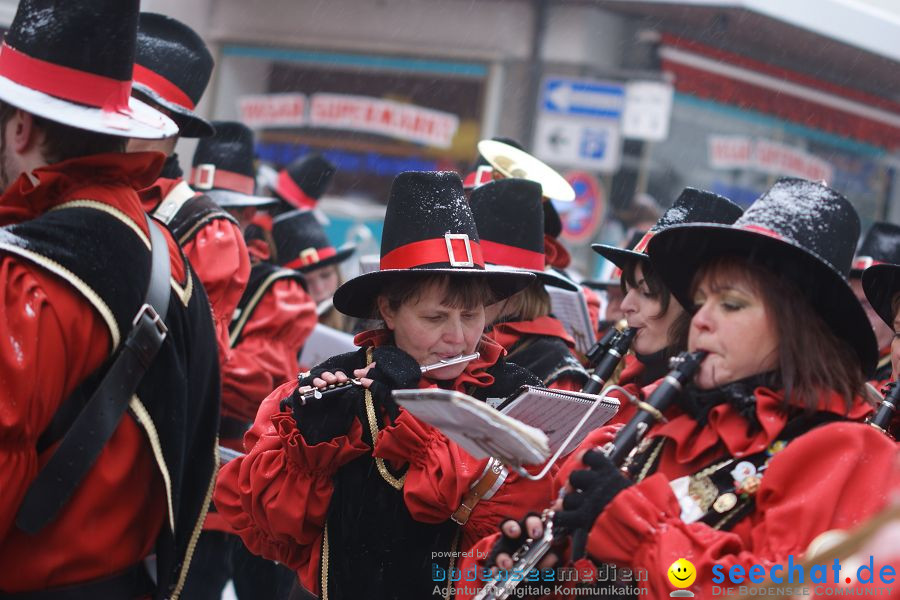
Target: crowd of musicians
column 159, row 436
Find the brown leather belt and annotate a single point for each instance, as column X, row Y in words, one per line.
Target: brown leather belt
column 487, row 485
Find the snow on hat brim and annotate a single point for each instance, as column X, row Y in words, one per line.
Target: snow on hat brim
column 881, row 283
column 140, row 121
column 190, row 125
column 356, row 297
column 679, row 252
column 230, row 199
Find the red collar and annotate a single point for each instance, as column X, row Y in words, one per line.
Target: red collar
column 507, row 334
column 475, row 373
column 728, row 427
column 35, row 193
column 153, row 195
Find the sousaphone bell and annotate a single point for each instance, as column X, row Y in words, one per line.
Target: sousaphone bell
column 509, row 161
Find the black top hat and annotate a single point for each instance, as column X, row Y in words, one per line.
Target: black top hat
column 881, row 244
column 301, row 242
column 803, row 230
column 691, row 206
column 172, row 68
column 223, row 166
column 510, row 223
column 303, row 182
column 428, row 228
column 881, row 283
column 71, row 62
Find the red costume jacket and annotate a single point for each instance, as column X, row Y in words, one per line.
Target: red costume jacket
column 832, row 477
column 52, row 339
column 278, row 496
column 218, row 254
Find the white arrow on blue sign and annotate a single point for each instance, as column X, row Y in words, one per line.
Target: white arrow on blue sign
column 581, row 97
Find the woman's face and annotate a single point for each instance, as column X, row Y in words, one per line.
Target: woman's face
column 641, row 308
column 322, row 283
column 429, row 331
column 734, row 326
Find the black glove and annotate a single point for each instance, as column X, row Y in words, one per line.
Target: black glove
column 326, row 418
column 594, row 489
column 394, row 370
column 507, row 544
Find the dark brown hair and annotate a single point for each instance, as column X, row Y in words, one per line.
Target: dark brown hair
column 811, row 358
column 62, row 142
column 678, row 330
column 458, row 292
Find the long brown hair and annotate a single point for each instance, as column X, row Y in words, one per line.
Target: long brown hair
column 811, row 358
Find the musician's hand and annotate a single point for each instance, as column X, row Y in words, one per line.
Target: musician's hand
column 396, row 370
column 325, row 418
column 589, row 491
column 514, row 534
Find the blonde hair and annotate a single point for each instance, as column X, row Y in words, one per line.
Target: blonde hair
column 529, row 304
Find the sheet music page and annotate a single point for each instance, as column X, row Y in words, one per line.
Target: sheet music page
column 571, row 309
column 324, row 342
column 479, row 429
column 557, row 412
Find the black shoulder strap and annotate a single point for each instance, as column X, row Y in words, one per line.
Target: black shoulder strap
column 100, row 417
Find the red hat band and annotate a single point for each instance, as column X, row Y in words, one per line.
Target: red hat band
column 162, row 86
column 455, row 248
column 512, row 256
column 207, row 177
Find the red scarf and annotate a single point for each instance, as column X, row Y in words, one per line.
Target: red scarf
column 508, row 334
column 728, row 427
column 474, row 374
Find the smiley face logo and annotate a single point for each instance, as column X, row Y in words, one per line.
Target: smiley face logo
column 682, row 573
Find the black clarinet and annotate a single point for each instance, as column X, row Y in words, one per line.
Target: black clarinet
column 684, row 367
column 605, row 357
column 882, row 418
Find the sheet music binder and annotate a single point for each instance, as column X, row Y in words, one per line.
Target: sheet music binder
column 515, row 433
column 571, row 309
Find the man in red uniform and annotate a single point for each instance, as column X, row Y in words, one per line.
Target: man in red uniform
column 273, row 319
column 89, row 492
column 172, row 69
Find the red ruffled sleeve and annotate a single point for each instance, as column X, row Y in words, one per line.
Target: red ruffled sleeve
column 834, row 477
column 276, row 497
column 266, row 355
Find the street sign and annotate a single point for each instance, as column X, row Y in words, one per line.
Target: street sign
column 579, row 143
column 648, row 109
column 583, row 97
column 581, row 218
column 578, row 123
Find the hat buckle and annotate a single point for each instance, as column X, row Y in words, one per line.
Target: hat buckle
column 309, row 256
column 451, row 254
column 205, row 176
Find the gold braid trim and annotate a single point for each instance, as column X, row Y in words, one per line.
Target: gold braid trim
column 395, row 483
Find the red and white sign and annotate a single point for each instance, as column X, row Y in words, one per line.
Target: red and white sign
column 581, row 218
column 273, row 110
column 384, row 117
column 766, row 156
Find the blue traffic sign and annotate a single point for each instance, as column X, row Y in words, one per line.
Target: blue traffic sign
column 581, row 97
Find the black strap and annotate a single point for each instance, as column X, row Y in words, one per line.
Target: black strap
column 100, row 417
column 133, row 583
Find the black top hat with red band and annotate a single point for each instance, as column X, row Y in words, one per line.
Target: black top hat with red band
column 223, row 167
column 691, row 206
column 428, row 229
column 801, row 230
column 510, row 223
column 482, row 172
column 301, row 242
column 172, row 68
column 881, row 283
column 303, row 182
column 881, row 244
column 71, row 62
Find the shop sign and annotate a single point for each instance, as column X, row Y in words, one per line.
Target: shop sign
column 384, row 117
column 766, row 156
column 273, row 110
